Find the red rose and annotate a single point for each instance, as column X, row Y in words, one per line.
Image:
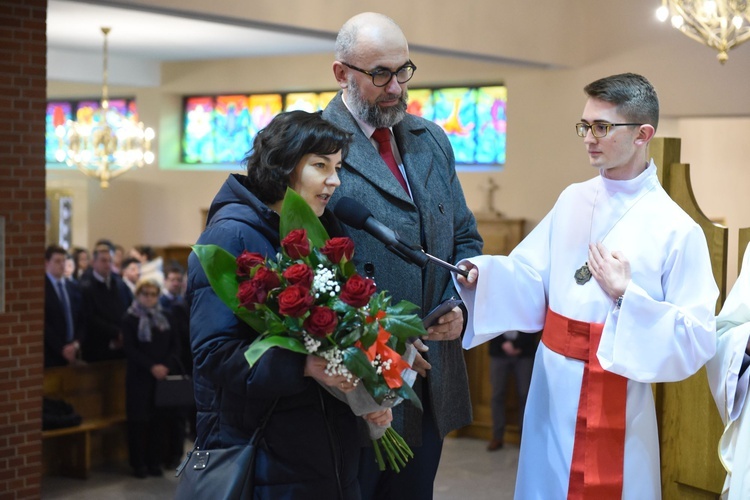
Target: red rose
column 267, row 278
column 357, row 291
column 296, row 245
column 248, row 260
column 251, row 292
column 321, row 321
column 295, row 301
column 299, row 274
column 337, row 248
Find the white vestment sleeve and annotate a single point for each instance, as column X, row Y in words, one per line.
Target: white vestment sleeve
column 510, row 292
column 669, row 338
column 733, row 330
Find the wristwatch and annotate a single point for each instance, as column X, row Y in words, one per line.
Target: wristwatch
column 618, row 302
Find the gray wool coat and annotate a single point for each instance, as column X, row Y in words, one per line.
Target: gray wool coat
column 439, row 221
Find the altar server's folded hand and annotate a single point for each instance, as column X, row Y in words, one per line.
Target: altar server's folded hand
column 470, row 281
column 610, row 269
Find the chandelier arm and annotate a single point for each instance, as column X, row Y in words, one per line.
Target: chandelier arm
column 106, row 142
column 715, row 27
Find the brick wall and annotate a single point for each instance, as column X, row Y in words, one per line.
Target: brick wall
column 23, row 61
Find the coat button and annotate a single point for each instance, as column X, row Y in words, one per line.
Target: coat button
column 369, row 269
column 441, row 208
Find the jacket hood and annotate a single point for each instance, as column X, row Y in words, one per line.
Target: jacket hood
column 235, row 202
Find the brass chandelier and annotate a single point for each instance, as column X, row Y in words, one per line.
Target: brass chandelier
column 106, row 143
column 719, row 24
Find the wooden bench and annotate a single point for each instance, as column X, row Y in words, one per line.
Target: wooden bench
column 97, row 393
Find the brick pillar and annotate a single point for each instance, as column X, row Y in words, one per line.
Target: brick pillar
column 23, row 61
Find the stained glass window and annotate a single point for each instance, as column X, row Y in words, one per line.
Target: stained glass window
column 217, row 131
column 85, row 111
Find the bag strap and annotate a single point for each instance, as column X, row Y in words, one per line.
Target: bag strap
column 259, row 430
column 253, row 439
column 183, row 372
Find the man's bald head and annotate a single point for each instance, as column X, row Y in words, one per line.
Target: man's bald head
column 364, row 30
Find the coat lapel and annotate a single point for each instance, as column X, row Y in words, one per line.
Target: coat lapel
column 362, row 156
column 416, row 156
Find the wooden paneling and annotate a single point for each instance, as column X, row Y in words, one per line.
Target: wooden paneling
column 97, row 393
column 176, row 253
column 743, row 243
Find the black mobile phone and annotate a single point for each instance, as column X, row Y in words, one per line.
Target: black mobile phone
column 439, row 310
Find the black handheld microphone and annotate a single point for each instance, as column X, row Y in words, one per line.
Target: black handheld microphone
column 354, row 214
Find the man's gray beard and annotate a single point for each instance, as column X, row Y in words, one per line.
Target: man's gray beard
column 374, row 115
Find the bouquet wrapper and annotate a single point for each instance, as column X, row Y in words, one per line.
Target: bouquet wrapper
column 361, row 402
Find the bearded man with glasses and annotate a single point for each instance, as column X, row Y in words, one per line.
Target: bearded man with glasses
column 402, row 168
column 647, row 316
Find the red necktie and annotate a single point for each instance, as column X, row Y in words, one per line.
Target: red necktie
column 383, row 136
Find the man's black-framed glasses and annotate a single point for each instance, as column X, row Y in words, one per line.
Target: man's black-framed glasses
column 382, row 77
column 599, row 129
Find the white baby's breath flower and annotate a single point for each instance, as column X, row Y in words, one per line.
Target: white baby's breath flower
column 312, row 345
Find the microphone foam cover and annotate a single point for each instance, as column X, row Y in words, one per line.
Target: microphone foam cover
column 351, row 212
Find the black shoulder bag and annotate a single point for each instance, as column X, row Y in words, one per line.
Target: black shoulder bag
column 227, row 473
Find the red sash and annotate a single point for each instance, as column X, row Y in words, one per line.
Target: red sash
column 599, row 448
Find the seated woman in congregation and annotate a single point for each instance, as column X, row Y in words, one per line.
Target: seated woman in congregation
column 310, row 445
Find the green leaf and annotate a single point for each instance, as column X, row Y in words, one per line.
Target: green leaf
column 261, row 345
column 357, row 363
column 406, row 392
column 403, row 326
column 255, row 322
column 350, row 338
column 220, row 267
column 403, row 307
column 348, row 268
column 378, row 391
column 297, row 214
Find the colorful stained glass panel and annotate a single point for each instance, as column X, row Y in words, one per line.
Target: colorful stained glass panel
column 198, row 144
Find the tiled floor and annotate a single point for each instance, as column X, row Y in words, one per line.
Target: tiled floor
column 467, row 472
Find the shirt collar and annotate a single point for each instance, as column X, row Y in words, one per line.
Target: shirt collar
column 54, row 280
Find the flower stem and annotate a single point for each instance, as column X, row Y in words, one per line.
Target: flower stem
column 378, row 456
column 397, row 452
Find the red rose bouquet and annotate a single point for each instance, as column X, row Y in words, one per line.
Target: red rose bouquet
column 310, row 299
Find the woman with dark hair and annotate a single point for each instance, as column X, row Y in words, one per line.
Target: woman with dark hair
column 80, row 261
column 310, row 446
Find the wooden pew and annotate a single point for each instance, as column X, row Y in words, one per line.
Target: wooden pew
column 97, row 393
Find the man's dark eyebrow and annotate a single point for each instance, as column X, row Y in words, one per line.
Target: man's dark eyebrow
column 381, row 68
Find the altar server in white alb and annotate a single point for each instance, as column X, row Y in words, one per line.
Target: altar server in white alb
column 646, row 316
column 728, row 376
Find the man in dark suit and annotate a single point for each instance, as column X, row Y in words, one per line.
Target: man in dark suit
column 104, row 309
column 63, row 316
column 403, row 169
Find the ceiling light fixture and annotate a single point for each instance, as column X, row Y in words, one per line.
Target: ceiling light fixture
column 719, row 24
column 106, row 142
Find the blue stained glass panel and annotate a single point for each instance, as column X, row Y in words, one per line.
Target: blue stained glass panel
column 455, row 113
column 231, row 124
column 491, row 115
column 197, row 142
